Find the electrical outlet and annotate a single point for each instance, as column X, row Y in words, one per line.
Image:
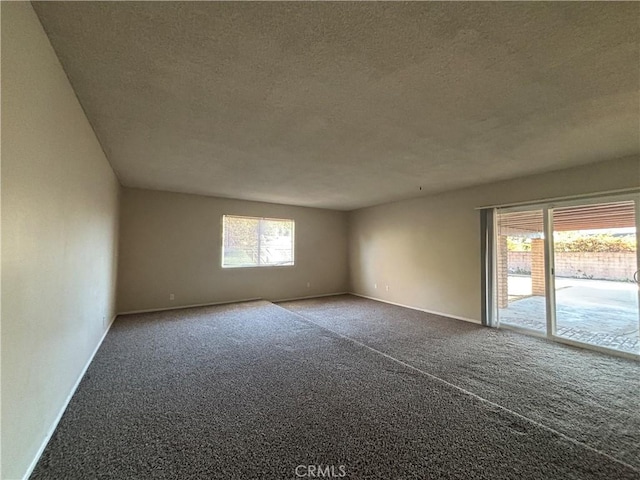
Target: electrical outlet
column 172, row 296
column 387, row 287
column 375, row 285
column 308, row 284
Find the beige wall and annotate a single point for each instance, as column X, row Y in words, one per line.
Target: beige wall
column 428, row 249
column 59, row 236
column 171, row 243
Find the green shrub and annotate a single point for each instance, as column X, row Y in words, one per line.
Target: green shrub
column 518, row 244
column 575, row 242
column 597, row 243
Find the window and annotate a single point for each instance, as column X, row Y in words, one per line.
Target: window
column 257, row 242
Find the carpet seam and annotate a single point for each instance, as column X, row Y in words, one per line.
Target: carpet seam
column 465, row 391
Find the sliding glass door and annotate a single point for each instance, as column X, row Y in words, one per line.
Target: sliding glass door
column 595, row 260
column 569, row 271
column 520, row 269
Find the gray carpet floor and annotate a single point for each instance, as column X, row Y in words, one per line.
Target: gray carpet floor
column 591, row 397
column 251, row 391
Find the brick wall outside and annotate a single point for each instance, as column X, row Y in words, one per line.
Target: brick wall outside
column 596, row 265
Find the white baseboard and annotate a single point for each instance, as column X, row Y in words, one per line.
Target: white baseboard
column 227, row 302
column 38, row 454
column 309, row 297
column 194, row 305
column 448, row 315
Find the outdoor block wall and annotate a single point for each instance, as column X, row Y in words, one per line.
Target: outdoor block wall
column 618, row 266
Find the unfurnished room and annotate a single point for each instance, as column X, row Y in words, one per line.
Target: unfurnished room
column 298, row 240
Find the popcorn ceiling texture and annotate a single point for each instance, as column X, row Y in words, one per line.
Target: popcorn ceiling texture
column 251, row 391
column 345, row 105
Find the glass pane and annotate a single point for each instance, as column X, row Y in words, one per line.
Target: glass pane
column 257, row 242
column 240, row 244
column 520, row 279
column 595, row 260
column 276, row 243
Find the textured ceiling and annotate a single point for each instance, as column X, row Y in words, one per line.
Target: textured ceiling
column 345, row 105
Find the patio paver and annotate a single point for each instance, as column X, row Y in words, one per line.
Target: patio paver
column 589, row 311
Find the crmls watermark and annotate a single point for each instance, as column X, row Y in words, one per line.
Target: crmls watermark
column 321, row 471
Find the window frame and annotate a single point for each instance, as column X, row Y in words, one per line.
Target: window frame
column 290, row 264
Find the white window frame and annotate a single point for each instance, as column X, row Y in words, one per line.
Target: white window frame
column 288, row 264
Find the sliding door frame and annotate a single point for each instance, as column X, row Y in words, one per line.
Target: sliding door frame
column 549, row 271
column 637, row 277
column 549, row 265
column 493, row 297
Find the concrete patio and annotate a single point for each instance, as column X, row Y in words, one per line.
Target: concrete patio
column 597, row 312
